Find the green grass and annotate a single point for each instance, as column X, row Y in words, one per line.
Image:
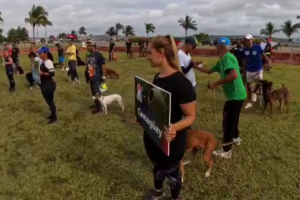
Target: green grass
column 85, row 157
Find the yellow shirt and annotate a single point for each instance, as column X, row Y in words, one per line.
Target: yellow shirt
column 72, row 49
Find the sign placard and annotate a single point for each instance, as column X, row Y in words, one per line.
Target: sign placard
column 153, row 111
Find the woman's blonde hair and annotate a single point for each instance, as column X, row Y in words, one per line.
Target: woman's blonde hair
column 167, row 45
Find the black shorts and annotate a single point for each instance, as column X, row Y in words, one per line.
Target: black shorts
column 128, row 51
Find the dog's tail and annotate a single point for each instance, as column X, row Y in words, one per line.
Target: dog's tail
column 282, row 85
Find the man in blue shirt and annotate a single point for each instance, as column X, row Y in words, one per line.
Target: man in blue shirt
column 253, row 55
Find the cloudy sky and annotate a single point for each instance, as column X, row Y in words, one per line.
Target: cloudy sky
column 216, row 17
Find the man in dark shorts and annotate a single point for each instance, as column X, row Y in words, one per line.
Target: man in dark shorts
column 128, row 49
column 15, row 55
column 111, row 49
column 61, row 55
column 95, row 70
column 141, row 47
column 267, row 51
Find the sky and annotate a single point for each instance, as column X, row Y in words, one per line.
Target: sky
column 215, row 17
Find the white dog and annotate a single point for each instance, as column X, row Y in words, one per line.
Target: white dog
column 106, row 100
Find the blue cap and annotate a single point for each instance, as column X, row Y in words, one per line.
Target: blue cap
column 191, row 40
column 43, row 49
column 225, row 41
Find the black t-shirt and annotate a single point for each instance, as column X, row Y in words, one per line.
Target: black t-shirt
column 268, row 48
column 96, row 60
column 128, row 45
column 182, row 92
column 141, row 43
column 238, row 53
column 60, row 52
column 111, row 46
column 15, row 53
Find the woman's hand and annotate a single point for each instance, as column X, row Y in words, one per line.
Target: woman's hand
column 170, row 133
column 41, row 73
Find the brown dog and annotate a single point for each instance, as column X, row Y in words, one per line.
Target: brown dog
column 271, row 96
column 200, row 139
column 115, row 57
column 111, row 73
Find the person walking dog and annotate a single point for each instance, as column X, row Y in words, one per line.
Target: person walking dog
column 235, row 93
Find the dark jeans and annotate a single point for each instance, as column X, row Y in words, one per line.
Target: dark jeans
column 110, row 55
column 231, row 115
column 30, row 79
column 172, row 174
column 48, row 88
column 10, row 76
column 96, row 92
column 73, row 70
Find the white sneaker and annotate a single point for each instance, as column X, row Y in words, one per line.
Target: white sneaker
column 248, row 105
column 237, row 141
column 254, row 97
column 31, row 88
column 222, row 154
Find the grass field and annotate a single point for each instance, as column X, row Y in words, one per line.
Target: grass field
column 85, row 157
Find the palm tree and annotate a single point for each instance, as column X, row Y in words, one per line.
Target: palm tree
column 82, row 30
column 288, row 28
column 128, row 31
column 150, row 28
column 111, row 31
column 269, row 30
column 73, row 32
column 188, row 23
column 119, row 27
column 46, row 23
column 37, row 15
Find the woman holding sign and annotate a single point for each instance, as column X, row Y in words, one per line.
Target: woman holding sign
column 47, row 83
column 162, row 54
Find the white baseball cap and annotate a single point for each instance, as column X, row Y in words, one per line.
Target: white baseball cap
column 249, row 37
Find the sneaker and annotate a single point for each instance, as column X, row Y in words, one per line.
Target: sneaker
column 154, row 195
column 248, row 105
column 52, row 120
column 222, row 154
column 95, row 111
column 237, row 141
column 254, row 97
column 49, row 117
column 31, row 88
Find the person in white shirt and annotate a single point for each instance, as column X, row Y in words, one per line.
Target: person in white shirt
column 185, row 60
column 36, row 61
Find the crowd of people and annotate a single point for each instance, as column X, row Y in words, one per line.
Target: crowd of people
column 175, row 68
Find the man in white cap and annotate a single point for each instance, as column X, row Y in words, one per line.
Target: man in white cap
column 253, row 54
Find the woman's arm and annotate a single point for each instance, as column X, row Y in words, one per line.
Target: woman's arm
column 10, row 61
column 50, row 67
column 189, row 111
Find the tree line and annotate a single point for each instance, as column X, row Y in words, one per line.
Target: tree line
column 38, row 18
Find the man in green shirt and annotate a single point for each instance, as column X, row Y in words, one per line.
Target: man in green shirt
column 235, row 93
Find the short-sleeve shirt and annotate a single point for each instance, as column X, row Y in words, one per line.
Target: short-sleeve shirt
column 111, row 46
column 8, row 67
column 235, row 90
column 48, row 67
column 60, row 52
column 95, row 64
column 128, row 45
column 253, row 58
column 15, row 53
column 184, row 61
column 72, row 49
column 182, row 92
column 238, row 52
